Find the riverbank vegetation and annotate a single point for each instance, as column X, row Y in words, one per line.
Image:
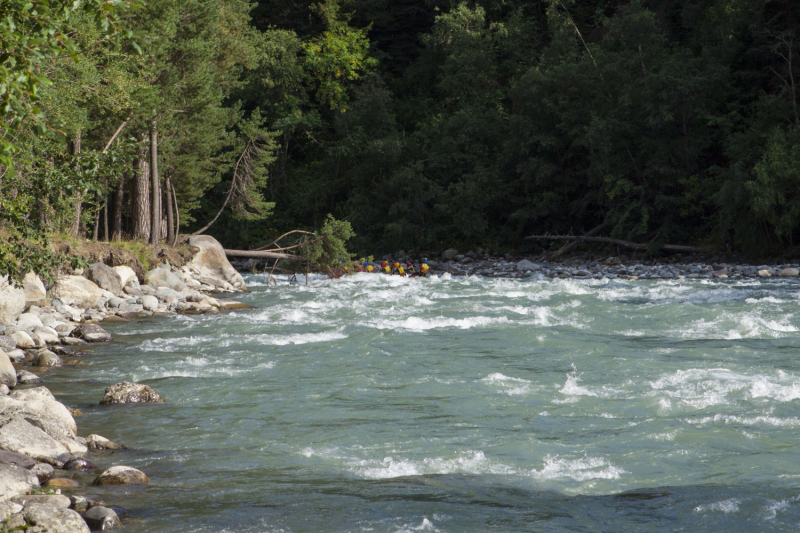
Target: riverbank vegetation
column 423, row 124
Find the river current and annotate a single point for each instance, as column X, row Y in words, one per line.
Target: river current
column 382, row 404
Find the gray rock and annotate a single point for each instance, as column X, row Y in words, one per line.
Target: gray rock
column 50, row 519
column 450, row 254
column 91, row 333
column 19, row 435
column 79, row 463
column 127, row 392
column 764, row 273
column 17, row 459
column 115, row 302
column 48, row 335
column 8, row 374
column 789, row 272
column 47, row 358
column 64, row 330
column 101, row 518
column 35, row 292
column 83, row 504
column 133, row 291
column 23, row 340
column 149, row 302
column 105, row 277
column 131, row 308
column 211, row 261
column 28, row 321
column 83, row 292
column 39, row 402
column 121, row 475
column 7, row 343
column 16, row 479
column 12, row 301
column 525, row 265
column 26, row 378
column 98, row 442
column 162, row 277
column 43, row 472
column 54, row 500
column 4, row 389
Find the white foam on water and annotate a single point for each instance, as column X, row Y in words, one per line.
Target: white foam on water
column 161, row 344
column 509, row 385
column 765, row 420
column 725, row 506
column 298, row 338
column 583, row 469
column 763, row 388
column 473, row 462
column 420, row 324
column 774, row 508
column 426, row 525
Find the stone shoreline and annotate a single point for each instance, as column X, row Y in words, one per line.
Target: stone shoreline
column 41, row 453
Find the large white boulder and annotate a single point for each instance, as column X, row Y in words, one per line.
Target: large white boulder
column 28, row 321
column 84, row 292
column 8, row 374
column 12, row 301
column 163, row 277
column 126, row 275
column 15, row 480
column 35, row 292
column 211, row 261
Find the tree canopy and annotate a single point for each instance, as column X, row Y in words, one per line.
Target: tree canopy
column 424, row 125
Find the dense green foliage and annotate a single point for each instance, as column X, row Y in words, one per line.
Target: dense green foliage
column 426, row 125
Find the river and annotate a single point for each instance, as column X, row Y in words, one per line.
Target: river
column 381, row 404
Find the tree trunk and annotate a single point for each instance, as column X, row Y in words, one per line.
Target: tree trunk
column 170, row 215
column 177, row 217
column 116, row 230
column 75, row 229
column 155, row 233
column 105, row 219
column 141, row 198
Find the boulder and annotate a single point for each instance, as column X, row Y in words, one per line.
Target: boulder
column 101, row 518
column 121, row 475
column 48, row 335
column 764, row 273
column 56, row 500
column 163, row 277
column 7, row 343
column 51, row 519
column 83, row 504
column 28, row 321
column 26, row 378
column 212, row 261
column 127, row 392
column 4, row 389
column 19, row 435
column 98, row 442
column 789, row 273
column 149, row 303
column 17, row 459
column 62, row 483
column 126, row 275
column 16, row 480
column 79, row 463
column 525, row 265
column 47, row 358
column 91, row 333
column 23, row 340
column 8, row 374
column 40, row 401
column 449, row 255
column 65, row 330
column 35, row 291
column 12, row 301
column 85, row 293
column 43, row 471
column 106, row 278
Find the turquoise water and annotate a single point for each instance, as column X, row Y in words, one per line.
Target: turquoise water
column 382, row 404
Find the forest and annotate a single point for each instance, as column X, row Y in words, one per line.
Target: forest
column 425, row 124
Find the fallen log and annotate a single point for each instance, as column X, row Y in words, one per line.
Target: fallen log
column 263, row 255
column 620, row 242
column 570, row 245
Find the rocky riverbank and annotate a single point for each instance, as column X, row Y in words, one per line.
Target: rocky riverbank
column 588, row 266
column 41, row 452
